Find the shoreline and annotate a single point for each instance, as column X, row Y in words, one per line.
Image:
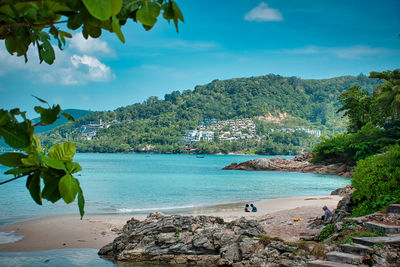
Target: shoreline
column 95, row 231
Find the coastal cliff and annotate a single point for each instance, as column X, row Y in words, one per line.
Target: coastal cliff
column 297, row 164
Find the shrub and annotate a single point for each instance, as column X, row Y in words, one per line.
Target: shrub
column 353, row 147
column 377, row 182
column 326, row 232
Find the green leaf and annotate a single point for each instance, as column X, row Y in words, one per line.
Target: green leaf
column 68, row 187
column 65, row 34
column 12, row 159
column 50, row 115
column 64, row 152
column 73, row 167
column 34, row 146
column 116, row 6
column 100, row 9
column 68, row 116
column 11, row 45
column 117, row 29
column 53, row 163
column 33, row 184
column 4, row 117
column 81, row 202
column 148, row 13
column 41, row 100
column 16, row 135
column 50, row 190
column 47, row 52
column 19, row 171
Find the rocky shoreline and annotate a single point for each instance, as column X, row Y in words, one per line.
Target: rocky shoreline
column 297, row 164
column 210, row 241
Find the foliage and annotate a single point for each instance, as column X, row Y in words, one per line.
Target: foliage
column 156, row 126
column 353, row 147
column 377, row 182
column 357, row 107
column 23, row 23
column 373, row 122
column 388, row 93
column 326, row 232
column 54, row 167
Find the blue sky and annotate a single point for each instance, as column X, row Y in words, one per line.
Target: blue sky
column 219, row 40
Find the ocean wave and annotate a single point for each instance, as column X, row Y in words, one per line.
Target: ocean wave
column 9, row 237
column 131, row 210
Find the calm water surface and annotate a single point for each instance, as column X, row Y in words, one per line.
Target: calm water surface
column 140, row 183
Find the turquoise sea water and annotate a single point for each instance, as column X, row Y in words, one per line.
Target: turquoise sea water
column 140, row 183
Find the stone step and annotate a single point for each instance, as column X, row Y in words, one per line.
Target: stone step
column 356, row 249
column 393, row 240
column 320, row 263
column 394, row 208
column 342, row 257
column 382, row 228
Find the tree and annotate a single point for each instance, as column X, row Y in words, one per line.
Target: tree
column 388, row 93
column 356, row 106
column 54, row 166
column 26, row 22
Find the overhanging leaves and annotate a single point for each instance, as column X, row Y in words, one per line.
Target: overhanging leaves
column 12, row 159
column 16, row 135
column 68, row 187
column 64, row 152
column 33, row 184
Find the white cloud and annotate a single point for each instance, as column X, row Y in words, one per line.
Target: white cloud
column 91, row 46
column 97, row 71
column 358, row 51
column 350, row 52
column 263, row 12
column 67, row 69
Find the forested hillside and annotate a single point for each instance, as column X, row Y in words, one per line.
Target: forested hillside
column 158, row 125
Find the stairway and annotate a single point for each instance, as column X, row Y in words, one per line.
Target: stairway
column 360, row 253
column 350, row 255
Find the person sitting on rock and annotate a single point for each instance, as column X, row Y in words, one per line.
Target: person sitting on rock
column 246, row 208
column 253, row 208
column 327, row 214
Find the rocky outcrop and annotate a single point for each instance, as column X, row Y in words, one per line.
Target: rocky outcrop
column 200, row 240
column 298, row 164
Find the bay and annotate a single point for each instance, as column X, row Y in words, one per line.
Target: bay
column 142, row 183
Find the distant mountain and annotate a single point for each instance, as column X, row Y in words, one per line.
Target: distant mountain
column 76, row 113
column 158, row 125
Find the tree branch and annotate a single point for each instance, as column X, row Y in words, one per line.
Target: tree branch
column 21, row 1
column 16, row 177
column 31, row 24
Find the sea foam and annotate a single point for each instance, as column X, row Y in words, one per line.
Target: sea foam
column 9, row 237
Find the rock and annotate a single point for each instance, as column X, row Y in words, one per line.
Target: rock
column 343, row 191
column 107, row 250
column 201, row 240
column 298, row 164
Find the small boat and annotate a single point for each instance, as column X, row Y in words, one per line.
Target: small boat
column 200, row 157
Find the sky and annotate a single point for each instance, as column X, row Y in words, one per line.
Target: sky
column 219, row 40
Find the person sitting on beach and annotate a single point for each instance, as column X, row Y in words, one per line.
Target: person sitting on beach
column 246, row 208
column 327, row 214
column 253, row 208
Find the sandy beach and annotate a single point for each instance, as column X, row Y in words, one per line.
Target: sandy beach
column 94, row 231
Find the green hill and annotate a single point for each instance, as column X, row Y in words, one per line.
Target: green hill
column 158, row 125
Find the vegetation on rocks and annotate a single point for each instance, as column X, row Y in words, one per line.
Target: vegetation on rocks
column 371, row 141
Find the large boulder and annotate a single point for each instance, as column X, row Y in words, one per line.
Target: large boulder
column 200, row 240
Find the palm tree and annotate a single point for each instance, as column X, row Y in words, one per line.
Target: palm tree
column 388, row 93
